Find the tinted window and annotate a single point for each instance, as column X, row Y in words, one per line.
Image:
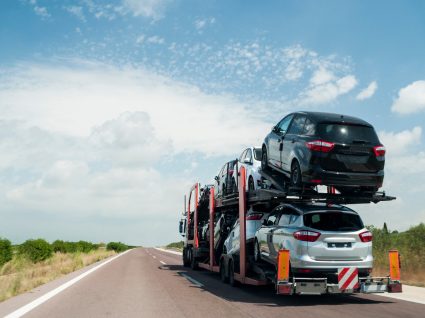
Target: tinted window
column 257, row 154
column 249, row 155
column 242, row 155
column 284, row 219
column 284, row 124
column 309, row 128
column 348, row 133
column 297, row 125
column 333, row 221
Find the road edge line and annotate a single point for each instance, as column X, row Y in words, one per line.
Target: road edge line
column 168, row 251
column 40, row 300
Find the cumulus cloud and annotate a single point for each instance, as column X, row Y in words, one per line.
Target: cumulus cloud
column 397, row 142
column 325, row 89
column 411, row 99
column 368, row 92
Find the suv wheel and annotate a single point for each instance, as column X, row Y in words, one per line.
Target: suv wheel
column 264, row 163
column 296, row 179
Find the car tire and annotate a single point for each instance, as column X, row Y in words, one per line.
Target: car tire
column 232, row 280
column 224, row 278
column 264, row 159
column 185, row 259
column 257, row 254
column 251, row 185
column 296, row 177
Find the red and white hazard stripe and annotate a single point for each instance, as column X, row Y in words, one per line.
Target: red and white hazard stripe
column 348, row 278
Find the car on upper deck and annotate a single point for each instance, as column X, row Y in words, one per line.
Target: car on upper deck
column 314, row 148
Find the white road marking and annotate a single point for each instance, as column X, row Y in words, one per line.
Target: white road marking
column 168, row 251
column 37, row 302
column 192, row 280
column 410, row 293
column 163, row 263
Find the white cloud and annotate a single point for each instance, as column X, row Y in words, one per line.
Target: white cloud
column 155, row 39
column 397, row 143
column 327, row 91
column 42, row 12
column 368, row 92
column 411, row 99
column 147, row 8
column 202, row 23
column 76, row 11
column 140, row 39
column 321, row 76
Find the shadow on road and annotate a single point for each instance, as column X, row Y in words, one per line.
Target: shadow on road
column 265, row 295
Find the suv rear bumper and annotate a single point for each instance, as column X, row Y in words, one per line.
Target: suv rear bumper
column 349, row 179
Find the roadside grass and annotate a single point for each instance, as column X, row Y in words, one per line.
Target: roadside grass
column 177, row 246
column 21, row 275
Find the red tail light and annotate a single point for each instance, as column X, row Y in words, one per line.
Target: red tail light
column 320, row 145
column 379, row 151
column 307, row 236
column 254, row 217
column 366, row 236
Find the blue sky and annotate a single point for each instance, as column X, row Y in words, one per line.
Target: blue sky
column 110, row 110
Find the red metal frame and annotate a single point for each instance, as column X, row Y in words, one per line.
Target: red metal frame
column 195, row 188
column 241, row 277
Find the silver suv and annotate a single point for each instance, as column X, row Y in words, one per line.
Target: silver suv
column 321, row 238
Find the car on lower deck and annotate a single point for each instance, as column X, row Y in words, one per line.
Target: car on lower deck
column 313, row 148
column 254, row 220
column 321, row 238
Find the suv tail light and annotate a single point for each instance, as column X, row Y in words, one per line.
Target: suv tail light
column 366, row 236
column 320, row 145
column 379, row 151
column 307, row 236
column 254, row 217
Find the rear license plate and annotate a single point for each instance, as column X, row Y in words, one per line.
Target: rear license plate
column 339, row 245
column 352, row 159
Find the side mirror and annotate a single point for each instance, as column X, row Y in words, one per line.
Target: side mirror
column 216, row 178
column 181, row 227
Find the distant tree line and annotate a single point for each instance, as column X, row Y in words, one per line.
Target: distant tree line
column 39, row 249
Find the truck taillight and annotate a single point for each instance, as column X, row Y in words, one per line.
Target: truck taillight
column 254, row 217
column 307, row 236
column 379, row 151
column 320, row 145
column 366, row 236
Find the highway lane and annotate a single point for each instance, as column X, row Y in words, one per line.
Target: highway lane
column 151, row 283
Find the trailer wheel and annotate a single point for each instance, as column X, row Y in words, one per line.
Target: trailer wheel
column 232, row 280
column 193, row 262
column 223, row 276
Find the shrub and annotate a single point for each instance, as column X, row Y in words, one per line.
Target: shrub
column 177, row 245
column 5, row 251
column 85, row 247
column 116, row 246
column 36, row 250
column 59, row 246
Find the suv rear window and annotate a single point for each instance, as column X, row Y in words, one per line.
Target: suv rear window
column 341, row 133
column 333, row 221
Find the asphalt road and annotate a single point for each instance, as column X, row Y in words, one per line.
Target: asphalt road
column 152, row 283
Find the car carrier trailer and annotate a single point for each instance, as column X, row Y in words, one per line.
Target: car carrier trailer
column 233, row 269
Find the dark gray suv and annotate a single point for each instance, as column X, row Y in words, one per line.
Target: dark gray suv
column 329, row 149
